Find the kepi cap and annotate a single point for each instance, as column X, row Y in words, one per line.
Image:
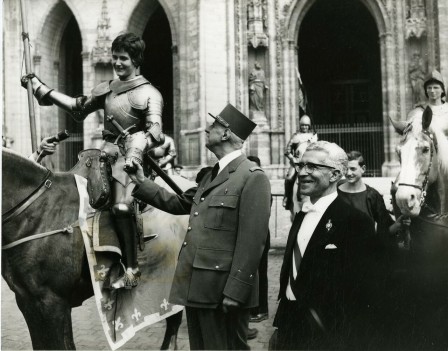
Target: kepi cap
column 237, row 122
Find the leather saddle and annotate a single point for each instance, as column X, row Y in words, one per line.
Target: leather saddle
column 95, row 166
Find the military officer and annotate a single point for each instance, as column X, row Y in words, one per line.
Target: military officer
column 133, row 124
column 216, row 276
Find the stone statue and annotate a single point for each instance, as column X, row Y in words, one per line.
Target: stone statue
column 417, row 75
column 257, row 87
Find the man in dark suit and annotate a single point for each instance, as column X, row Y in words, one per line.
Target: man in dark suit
column 324, row 281
column 216, row 276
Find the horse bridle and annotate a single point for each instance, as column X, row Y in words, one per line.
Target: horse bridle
column 24, row 204
column 424, row 187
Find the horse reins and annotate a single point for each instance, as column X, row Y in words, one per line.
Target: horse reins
column 23, row 205
column 425, row 184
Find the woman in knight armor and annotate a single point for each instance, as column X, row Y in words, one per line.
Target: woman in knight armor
column 133, row 125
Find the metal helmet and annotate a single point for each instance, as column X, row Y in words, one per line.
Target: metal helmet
column 305, row 120
column 435, row 78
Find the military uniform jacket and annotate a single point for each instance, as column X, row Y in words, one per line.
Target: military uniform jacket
column 229, row 219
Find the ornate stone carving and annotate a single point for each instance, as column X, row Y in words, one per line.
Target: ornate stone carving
column 257, row 87
column 256, row 23
column 416, row 19
column 417, row 75
column 101, row 52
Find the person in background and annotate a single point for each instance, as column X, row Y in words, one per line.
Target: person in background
column 261, row 313
column 325, row 283
column 178, row 169
column 436, row 94
column 45, row 148
column 294, row 151
column 165, row 154
column 217, row 271
column 367, row 199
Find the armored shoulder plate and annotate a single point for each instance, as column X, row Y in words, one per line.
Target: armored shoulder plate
column 101, row 89
column 144, row 95
column 256, row 168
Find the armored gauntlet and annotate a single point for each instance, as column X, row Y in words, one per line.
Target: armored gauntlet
column 135, row 145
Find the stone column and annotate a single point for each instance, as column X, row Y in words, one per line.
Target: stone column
column 391, row 165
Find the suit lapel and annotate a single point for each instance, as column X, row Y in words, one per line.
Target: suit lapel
column 326, row 226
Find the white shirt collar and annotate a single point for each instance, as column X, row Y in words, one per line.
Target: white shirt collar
column 228, row 158
column 322, row 204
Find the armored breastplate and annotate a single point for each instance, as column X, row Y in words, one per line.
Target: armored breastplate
column 118, row 106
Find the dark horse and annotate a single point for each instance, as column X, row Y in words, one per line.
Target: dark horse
column 422, row 194
column 49, row 274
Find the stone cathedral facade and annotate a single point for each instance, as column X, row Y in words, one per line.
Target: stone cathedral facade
column 350, row 64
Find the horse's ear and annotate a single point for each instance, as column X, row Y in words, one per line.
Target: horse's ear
column 426, row 118
column 398, row 125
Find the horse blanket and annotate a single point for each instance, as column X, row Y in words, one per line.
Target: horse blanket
column 124, row 312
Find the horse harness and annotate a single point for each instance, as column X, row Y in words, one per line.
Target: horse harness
column 425, row 184
column 23, row 205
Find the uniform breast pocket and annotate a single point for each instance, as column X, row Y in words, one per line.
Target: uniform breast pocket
column 222, row 212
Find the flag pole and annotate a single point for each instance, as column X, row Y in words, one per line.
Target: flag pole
column 28, row 70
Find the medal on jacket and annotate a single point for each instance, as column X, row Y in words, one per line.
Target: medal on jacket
column 329, row 225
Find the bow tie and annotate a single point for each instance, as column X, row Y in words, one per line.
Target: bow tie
column 308, row 207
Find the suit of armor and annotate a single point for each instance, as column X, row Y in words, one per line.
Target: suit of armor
column 165, row 153
column 132, row 126
column 294, row 152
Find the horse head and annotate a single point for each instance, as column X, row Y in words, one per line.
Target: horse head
column 418, row 154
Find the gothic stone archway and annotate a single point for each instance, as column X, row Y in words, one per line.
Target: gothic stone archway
column 392, row 82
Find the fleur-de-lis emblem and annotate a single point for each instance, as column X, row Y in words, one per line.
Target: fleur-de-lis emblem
column 329, row 225
column 136, row 315
column 117, row 323
column 108, row 304
column 103, row 271
column 164, row 305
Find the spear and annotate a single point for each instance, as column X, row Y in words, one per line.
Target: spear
column 26, row 45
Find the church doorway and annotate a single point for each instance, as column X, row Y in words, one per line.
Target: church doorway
column 158, row 63
column 339, row 63
column 70, row 83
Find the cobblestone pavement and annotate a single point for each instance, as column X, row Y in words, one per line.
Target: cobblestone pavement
column 89, row 335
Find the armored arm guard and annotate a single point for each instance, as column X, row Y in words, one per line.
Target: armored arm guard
column 78, row 107
column 153, row 114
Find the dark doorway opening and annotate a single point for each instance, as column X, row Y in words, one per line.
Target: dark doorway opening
column 158, row 63
column 339, row 62
column 70, row 83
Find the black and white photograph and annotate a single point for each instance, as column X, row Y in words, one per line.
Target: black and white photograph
column 224, row 175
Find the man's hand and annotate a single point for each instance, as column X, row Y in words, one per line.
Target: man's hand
column 138, row 177
column 46, row 147
column 229, row 303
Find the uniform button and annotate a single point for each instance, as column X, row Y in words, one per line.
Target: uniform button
column 222, row 203
column 196, row 214
column 202, row 198
column 216, row 267
column 189, row 228
column 184, row 244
